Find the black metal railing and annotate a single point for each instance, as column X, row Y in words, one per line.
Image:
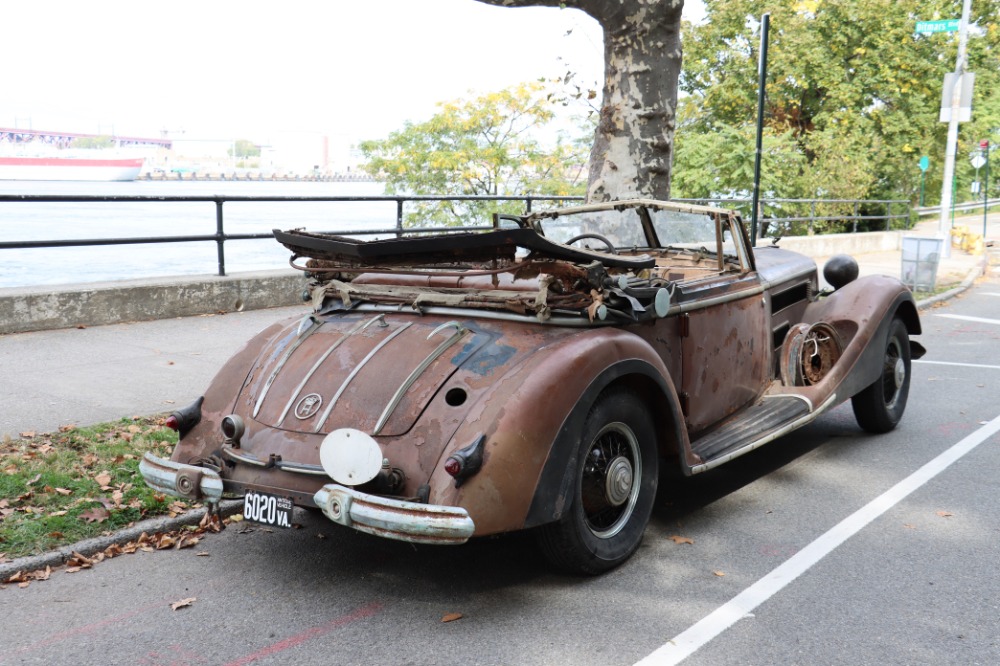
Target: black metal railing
column 782, row 224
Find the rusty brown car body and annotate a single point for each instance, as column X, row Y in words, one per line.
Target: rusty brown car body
column 463, row 385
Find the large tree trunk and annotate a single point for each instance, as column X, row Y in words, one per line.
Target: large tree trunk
column 633, row 146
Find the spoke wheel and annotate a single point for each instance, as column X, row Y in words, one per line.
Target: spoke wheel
column 879, row 407
column 612, row 492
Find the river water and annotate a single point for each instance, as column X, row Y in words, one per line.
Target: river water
column 20, row 221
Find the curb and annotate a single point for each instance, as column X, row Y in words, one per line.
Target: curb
column 60, row 556
column 969, row 280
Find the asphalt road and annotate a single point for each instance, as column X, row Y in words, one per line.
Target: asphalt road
column 829, row 546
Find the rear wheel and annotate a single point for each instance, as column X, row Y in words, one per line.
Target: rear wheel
column 879, row 407
column 613, row 489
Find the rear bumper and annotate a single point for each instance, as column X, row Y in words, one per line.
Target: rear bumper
column 382, row 516
column 395, row 519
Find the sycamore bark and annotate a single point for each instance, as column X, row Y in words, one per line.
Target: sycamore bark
column 633, row 145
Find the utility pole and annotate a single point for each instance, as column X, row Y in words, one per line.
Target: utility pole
column 944, row 223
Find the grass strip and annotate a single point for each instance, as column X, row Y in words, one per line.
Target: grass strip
column 78, row 483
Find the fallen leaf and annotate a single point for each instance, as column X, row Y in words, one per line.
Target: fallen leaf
column 720, row 574
column 679, row 539
column 451, row 617
column 945, row 514
column 28, row 434
column 34, row 480
column 202, row 554
column 103, row 479
column 96, row 515
column 909, row 526
column 67, row 428
column 64, row 491
column 183, row 603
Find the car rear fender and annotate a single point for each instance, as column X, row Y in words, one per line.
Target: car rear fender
column 223, row 391
column 532, row 421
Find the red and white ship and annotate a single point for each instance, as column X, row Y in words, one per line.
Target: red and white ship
column 69, row 168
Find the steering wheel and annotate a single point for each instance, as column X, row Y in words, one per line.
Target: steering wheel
column 603, row 239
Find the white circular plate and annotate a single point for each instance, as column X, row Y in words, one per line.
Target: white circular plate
column 350, row 457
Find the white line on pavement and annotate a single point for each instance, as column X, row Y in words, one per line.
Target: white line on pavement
column 689, row 641
column 961, row 365
column 981, row 320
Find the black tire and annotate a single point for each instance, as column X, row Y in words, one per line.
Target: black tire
column 613, row 489
column 879, row 407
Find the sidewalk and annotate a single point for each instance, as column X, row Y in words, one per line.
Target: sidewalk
column 103, row 373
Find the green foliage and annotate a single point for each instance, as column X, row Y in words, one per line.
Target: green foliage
column 93, row 142
column 243, row 148
column 488, row 145
column 852, row 92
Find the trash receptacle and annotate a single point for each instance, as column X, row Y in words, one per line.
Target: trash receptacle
column 920, row 262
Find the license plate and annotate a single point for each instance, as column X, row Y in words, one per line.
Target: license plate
column 267, row 509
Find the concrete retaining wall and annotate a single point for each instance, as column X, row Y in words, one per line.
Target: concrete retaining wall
column 828, row 245
column 95, row 304
column 98, row 303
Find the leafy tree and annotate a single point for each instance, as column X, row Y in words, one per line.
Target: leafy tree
column 633, row 142
column 850, row 86
column 93, row 142
column 484, row 146
column 243, row 148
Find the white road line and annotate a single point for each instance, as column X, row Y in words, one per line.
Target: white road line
column 990, row 293
column 688, row 642
column 977, row 319
column 961, row 365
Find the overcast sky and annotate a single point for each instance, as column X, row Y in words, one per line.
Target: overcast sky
column 353, row 69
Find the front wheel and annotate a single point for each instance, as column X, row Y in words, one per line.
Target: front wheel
column 612, row 492
column 879, row 407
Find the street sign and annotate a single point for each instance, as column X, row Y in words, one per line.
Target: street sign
column 924, row 163
column 928, row 27
column 978, row 161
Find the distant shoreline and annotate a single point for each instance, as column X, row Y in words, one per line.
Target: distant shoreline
column 179, row 176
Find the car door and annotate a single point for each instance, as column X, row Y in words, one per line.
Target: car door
column 723, row 325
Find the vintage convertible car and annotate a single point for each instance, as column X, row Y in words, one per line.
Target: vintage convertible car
column 539, row 375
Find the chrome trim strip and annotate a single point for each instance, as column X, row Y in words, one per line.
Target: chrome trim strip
column 756, row 444
column 395, row 518
column 360, row 326
column 303, row 334
column 419, row 370
column 355, row 371
column 299, row 468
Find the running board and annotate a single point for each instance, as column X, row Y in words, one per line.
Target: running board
column 764, row 422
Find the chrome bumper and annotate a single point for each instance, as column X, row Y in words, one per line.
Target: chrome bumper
column 381, row 516
column 179, row 480
column 394, row 519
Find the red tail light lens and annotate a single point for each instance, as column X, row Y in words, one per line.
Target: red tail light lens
column 172, row 423
column 453, row 466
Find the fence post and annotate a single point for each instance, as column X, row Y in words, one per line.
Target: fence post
column 399, row 217
column 812, row 215
column 220, row 237
column 527, row 205
column 854, row 228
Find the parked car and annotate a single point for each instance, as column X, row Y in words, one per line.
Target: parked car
column 538, row 376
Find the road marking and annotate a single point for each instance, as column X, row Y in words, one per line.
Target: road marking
column 689, row 641
column 292, row 641
column 961, row 365
column 991, row 293
column 981, row 320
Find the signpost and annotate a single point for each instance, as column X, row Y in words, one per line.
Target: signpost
column 984, row 145
column 929, row 27
column 924, row 163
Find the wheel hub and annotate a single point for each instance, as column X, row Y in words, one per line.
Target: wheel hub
column 899, row 372
column 618, row 482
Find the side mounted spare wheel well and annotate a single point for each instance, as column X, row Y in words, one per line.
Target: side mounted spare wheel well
column 634, row 377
